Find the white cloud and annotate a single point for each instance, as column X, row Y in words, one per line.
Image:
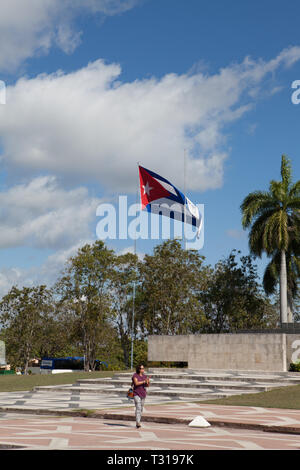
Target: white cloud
column 43, row 215
column 46, row 273
column 107, row 7
column 32, row 27
column 49, row 271
column 89, row 125
column 8, row 278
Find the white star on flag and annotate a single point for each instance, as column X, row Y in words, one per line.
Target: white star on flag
column 147, row 188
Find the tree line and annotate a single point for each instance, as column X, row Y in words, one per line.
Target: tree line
column 89, row 310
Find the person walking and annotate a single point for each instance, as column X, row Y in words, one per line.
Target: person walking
column 140, row 382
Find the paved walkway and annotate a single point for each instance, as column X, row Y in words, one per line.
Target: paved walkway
column 166, row 411
column 40, row 420
column 67, row 400
column 25, row 432
column 265, row 419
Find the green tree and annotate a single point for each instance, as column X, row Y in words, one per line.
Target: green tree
column 124, row 276
column 274, row 221
column 83, row 293
column 24, row 313
column 171, row 278
column 57, row 339
column 233, row 298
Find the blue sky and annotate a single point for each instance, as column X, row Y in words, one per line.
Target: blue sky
column 95, row 86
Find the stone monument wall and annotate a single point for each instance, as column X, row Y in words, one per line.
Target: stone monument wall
column 244, row 351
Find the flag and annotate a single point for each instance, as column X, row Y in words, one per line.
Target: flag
column 159, row 196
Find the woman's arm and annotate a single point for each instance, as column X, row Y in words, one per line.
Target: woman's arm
column 137, row 383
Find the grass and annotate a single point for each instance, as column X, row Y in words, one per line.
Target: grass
column 15, row 383
column 287, row 397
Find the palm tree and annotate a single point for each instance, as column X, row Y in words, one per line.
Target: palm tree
column 274, row 220
column 272, row 275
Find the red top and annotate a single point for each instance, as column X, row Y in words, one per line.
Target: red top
column 139, row 390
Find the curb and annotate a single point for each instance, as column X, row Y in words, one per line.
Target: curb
column 153, row 419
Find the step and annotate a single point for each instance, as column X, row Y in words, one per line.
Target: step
column 244, row 378
column 262, row 373
column 183, row 393
column 262, row 387
column 193, row 384
column 201, row 379
column 197, row 388
column 197, row 394
column 287, row 377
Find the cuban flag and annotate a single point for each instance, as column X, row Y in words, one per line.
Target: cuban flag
column 159, row 196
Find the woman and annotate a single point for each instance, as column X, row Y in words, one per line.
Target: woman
column 140, row 382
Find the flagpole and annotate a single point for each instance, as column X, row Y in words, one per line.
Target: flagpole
column 133, row 299
column 184, row 192
column 132, row 326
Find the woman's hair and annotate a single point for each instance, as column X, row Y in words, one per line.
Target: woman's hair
column 138, row 368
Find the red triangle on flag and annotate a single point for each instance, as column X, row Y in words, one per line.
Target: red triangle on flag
column 150, row 188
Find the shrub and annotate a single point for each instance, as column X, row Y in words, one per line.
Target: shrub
column 294, row 367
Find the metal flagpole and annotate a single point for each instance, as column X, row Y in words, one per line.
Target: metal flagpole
column 184, row 192
column 132, row 326
column 133, row 299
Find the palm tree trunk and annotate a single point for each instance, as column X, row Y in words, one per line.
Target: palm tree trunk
column 290, row 315
column 283, row 289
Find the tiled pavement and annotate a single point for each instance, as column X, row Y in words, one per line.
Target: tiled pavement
column 44, row 419
column 217, row 415
column 157, row 409
column 54, row 421
column 75, row 433
column 67, row 400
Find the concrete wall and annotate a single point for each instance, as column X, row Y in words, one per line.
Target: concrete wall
column 253, row 351
column 170, row 348
column 2, row 353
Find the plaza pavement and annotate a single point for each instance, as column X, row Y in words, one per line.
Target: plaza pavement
column 41, row 420
column 35, row 432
